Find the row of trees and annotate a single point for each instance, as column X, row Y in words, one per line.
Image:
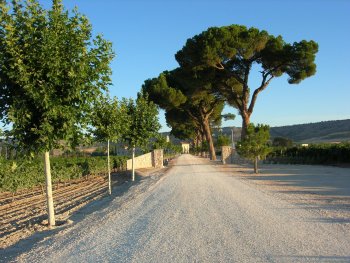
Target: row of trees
column 215, row 67
column 53, row 77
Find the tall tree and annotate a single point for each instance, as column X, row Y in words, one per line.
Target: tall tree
column 182, row 125
column 110, row 122
column 143, row 124
column 183, row 91
column 232, row 51
column 51, row 71
column 254, row 146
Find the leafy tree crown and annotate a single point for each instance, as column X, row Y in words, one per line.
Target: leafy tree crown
column 51, row 71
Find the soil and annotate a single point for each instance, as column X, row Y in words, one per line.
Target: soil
column 24, row 212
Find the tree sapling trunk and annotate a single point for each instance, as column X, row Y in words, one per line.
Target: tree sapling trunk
column 133, row 164
column 256, row 165
column 109, row 170
column 49, row 197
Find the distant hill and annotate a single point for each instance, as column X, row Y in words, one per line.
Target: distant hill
column 325, row 131
column 318, row 132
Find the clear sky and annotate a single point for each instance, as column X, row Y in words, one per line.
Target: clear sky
column 146, row 35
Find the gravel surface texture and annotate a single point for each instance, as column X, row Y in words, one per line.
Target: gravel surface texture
column 195, row 213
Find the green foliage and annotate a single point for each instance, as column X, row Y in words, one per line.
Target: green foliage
column 169, row 149
column 229, row 116
column 254, row 145
column 160, row 142
column 235, row 47
column 28, row 173
column 230, row 53
column 223, row 140
column 109, row 119
column 51, row 71
column 188, row 100
column 161, row 94
column 182, row 125
column 313, row 154
column 143, row 118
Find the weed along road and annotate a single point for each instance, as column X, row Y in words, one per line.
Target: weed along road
column 196, row 213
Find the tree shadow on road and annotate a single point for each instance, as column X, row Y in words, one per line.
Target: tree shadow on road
column 313, row 187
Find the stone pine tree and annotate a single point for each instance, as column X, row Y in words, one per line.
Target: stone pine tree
column 143, row 124
column 235, row 51
column 182, row 125
column 110, row 122
column 51, row 71
column 254, row 145
column 183, row 91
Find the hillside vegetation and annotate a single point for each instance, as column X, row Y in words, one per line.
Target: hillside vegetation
column 318, row 132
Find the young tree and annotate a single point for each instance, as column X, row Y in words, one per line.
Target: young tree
column 232, row 51
column 144, row 124
column 223, row 140
column 160, row 142
column 51, row 71
column 110, row 122
column 254, row 146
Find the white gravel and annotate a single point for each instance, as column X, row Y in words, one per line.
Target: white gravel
column 196, row 214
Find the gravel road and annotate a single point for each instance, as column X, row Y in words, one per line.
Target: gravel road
column 196, row 214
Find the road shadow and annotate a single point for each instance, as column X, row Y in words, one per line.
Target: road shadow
column 307, row 179
column 318, row 188
column 302, row 258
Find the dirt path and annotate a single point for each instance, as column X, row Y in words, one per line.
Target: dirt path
column 197, row 213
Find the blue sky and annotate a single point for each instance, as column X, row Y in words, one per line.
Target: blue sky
column 147, row 34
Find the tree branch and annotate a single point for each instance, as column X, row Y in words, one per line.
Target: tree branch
column 263, row 85
column 221, row 67
column 245, row 95
column 195, row 118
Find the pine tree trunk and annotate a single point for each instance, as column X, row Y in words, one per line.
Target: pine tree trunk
column 109, row 170
column 245, row 123
column 207, row 132
column 133, row 164
column 49, row 197
column 256, row 165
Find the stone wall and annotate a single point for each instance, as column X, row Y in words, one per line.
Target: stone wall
column 226, row 154
column 148, row 160
column 157, row 158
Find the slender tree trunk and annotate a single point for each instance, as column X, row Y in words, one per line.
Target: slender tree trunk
column 245, row 123
column 207, row 132
column 109, row 170
column 198, row 142
column 202, row 141
column 133, row 164
column 49, row 197
column 256, row 165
